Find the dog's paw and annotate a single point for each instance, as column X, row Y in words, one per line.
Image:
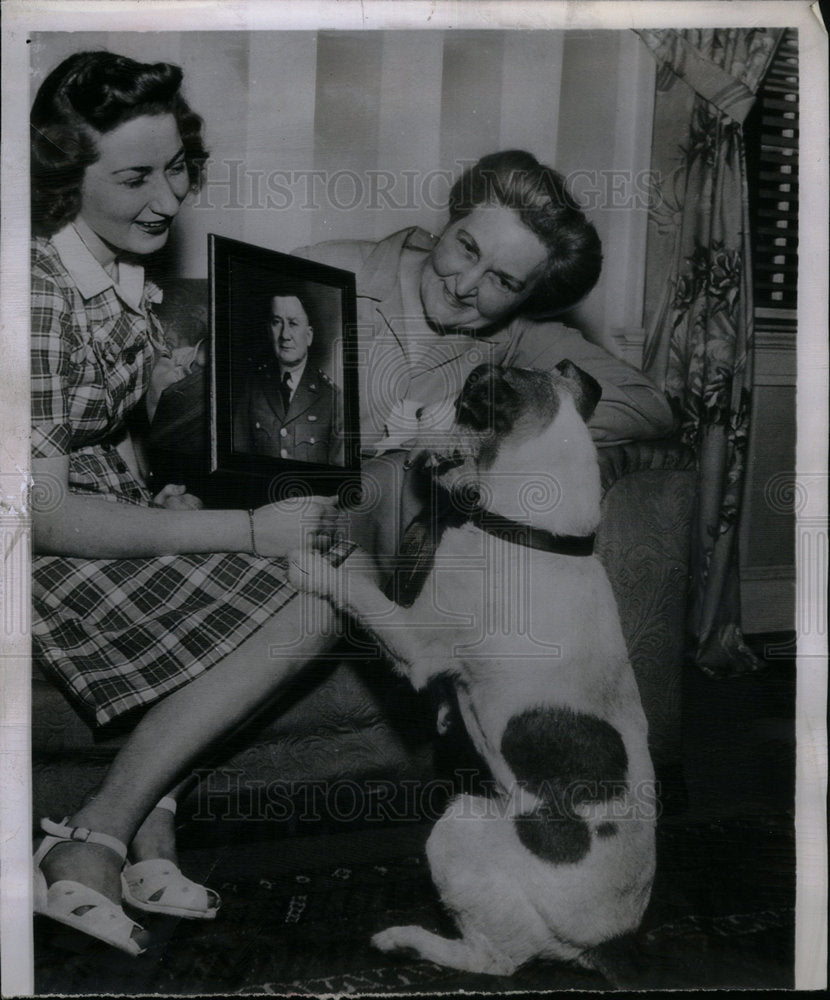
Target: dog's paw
column 309, row 572
column 397, row 939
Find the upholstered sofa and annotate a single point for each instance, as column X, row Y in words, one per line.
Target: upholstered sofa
column 347, row 723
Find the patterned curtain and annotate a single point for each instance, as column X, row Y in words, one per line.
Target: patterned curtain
column 699, row 344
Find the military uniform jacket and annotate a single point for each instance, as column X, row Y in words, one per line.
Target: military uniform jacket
column 310, row 430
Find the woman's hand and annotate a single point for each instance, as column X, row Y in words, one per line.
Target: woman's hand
column 174, row 496
column 279, row 528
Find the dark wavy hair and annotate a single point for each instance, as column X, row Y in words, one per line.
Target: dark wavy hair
column 538, row 194
column 87, row 95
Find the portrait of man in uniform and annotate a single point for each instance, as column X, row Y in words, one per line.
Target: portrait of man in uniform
column 289, row 407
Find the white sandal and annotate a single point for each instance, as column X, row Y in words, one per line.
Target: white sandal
column 77, row 905
column 158, row 886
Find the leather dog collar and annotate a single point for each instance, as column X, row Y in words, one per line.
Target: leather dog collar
column 533, row 538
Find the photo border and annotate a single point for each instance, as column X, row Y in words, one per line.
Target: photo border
column 21, row 17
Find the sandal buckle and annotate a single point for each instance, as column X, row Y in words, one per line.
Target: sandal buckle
column 81, row 833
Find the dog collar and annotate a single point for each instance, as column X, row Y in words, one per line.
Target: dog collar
column 533, row 538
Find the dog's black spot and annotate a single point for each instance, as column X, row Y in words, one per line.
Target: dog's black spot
column 562, row 840
column 607, row 830
column 487, row 401
column 556, row 750
column 566, row 759
column 497, row 401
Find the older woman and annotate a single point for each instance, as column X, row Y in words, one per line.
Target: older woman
column 140, row 603
column 515, row 253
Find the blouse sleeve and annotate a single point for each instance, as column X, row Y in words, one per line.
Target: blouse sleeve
column 50, row 329
column 631, row 408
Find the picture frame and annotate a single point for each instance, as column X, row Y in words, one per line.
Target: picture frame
column 271, row 313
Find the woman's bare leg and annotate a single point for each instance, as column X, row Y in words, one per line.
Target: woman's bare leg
column 180, row 728
column 156, row 837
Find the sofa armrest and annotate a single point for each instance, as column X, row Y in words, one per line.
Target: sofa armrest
column 618, row 460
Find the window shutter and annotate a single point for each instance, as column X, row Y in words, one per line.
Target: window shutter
column 772, row 161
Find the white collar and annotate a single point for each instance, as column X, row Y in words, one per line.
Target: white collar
column 90, row 277
column 295, row 373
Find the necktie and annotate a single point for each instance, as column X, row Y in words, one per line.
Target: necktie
column 285, row 390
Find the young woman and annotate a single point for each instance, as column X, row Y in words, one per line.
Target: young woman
column 140, row 602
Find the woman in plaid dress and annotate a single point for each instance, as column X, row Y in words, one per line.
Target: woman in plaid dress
column 139, row 602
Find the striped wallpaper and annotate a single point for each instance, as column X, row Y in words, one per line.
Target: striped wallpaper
column 339, row 134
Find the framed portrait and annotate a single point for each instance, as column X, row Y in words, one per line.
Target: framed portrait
column 284, row 418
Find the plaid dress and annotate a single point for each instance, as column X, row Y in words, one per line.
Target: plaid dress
column 118, row 634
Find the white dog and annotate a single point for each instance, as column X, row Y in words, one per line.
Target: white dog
column 520, row 615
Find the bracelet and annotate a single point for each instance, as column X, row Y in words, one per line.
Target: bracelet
column 251, row 525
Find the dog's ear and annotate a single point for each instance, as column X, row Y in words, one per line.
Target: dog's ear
column 585, row 389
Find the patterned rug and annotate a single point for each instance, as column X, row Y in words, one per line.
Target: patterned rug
column 298, row 913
